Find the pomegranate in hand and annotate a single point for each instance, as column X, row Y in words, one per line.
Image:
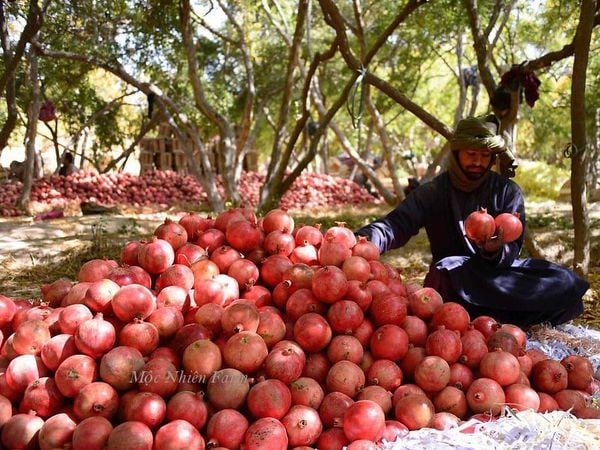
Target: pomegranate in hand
column 480, row 226
column 511, row 226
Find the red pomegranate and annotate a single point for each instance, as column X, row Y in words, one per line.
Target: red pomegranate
column 511, row 224
column 364, row 419
column 480, row 226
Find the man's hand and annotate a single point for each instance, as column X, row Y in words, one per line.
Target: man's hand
column 493, row 244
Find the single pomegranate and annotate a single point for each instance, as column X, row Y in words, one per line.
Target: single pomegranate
column 333, row 439
column 57, row 432
column 266, row 433
column 511, row 224
column 284, row 363
column 425, row 302
column 303, row 425
column 96, row 399
column 445, row 344
column 452, row 316
column 228, row 389
column 91, row 433
column 227, row 428
column 269, row 398
column 178, row 434
column 306, row 391
column 74, row 373
column 432, row 373
column 414, row 411
column 486, row 395
column 133, row 301
column 479, row 226
column 366, row 249
column 118, row 365
column 95, row 336
column 345, row 377
column 156, row 256
column 452, row 400
column 312, row 332
column 549, row 376
column 190, row 406
column 364, row 419
column 135, row 433
column 245, row 351
column 379, row 395
column 329, row 284
column 172, row 232
column 500, row 366
column 43, row 397
column 503, row 341
column 389, row 342
column 522, row 397
column 21, row 431
column 579, row 370
column 57, row 349
column 202, row 357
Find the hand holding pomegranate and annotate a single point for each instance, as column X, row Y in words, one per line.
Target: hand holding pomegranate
column 495, row 242
column 490, row 233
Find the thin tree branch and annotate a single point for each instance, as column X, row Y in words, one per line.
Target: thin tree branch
column 333, row 18
column 155, row 120
column 280, row 159
column 283, row 30
column 481, row 47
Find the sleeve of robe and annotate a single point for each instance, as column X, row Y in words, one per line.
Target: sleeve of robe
column 402, row 223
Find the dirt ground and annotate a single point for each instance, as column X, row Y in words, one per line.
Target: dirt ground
column 27, row 245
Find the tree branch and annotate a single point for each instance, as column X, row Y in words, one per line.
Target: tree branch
column 280, row 159
column 333, row 18
column 155, row 120
column 481, row 47
column 35, row 19
column 282, row 30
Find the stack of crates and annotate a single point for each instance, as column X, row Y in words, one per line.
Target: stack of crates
column 161, row 152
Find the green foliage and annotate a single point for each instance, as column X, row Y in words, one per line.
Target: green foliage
column 540, row 181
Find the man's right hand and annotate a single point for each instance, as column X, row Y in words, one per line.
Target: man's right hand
column 494, row 243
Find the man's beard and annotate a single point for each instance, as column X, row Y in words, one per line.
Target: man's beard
column 474, row 175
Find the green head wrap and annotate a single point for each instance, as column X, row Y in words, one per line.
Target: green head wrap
column 478, row 132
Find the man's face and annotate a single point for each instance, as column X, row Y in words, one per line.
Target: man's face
column 474, row 161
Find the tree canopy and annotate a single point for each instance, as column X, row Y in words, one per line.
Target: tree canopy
column 255, row 76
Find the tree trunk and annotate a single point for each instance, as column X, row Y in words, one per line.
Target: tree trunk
column 581, row 221
column 11, row 91
column 32, row 114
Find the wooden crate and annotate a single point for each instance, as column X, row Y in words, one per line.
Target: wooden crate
column 180, row 161
column 164, row 130
column 165, row 161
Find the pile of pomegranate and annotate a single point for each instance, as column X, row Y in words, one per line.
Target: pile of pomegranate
column 238, row 332
column 309, row 190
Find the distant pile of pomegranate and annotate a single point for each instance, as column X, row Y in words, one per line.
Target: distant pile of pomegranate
column 309, row 190
column 238, row 332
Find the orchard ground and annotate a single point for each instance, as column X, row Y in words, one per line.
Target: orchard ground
column 37, row 252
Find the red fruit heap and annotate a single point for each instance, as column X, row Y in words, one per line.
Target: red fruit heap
column 165, row 187
column 233, row 338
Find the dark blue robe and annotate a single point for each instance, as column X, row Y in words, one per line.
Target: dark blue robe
column 522, row 292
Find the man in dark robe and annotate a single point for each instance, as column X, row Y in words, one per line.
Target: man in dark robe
column 485, row 277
